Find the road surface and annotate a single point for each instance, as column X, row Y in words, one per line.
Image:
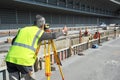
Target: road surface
column 102, row 63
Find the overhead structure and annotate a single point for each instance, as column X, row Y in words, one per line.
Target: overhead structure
column 18, row 13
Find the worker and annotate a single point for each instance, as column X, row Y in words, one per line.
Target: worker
column 86, row 33
column 96, row 35
column 21, row 55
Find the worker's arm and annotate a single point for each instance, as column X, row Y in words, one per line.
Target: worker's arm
column 47, row 35
column 52, row 35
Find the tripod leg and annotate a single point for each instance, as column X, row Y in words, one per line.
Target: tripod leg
column 57, row 58
column 47, row 61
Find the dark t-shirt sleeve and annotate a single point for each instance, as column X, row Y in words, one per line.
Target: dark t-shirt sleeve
column 53, row 35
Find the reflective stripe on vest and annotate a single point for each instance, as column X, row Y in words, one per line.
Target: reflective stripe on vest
column 33, row 43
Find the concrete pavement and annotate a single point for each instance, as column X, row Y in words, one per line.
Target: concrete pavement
column 97, row 64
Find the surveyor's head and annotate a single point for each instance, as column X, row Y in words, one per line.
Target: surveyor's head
column 40, row 21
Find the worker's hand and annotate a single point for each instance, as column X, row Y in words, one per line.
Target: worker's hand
column 65, row 30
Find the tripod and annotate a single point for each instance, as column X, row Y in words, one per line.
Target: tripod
column 47, row 51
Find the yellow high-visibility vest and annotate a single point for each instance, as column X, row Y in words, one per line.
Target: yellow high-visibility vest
column 22, row 52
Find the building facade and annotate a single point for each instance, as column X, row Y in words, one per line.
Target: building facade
column 18, row 13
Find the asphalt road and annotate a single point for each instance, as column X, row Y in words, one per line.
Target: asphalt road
column 102, row 63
